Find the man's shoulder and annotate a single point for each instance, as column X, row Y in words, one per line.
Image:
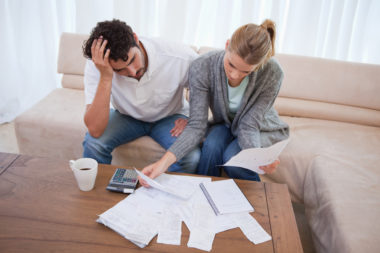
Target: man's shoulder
column 164, row 48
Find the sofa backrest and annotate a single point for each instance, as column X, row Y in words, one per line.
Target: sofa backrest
column 71, row 61
column 329, row 89
column 312, row 87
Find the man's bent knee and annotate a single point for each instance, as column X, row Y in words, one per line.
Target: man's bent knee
column 93, row 148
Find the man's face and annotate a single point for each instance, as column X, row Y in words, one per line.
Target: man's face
column 134, row 67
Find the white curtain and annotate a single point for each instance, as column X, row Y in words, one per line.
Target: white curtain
column 29, row 37
column 344, row 30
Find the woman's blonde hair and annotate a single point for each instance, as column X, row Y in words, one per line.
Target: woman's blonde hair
column 254, row 43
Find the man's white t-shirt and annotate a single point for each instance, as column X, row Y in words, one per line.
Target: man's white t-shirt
column 159, row 93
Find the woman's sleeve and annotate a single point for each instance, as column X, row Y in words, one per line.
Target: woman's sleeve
column 195, row 130
column 270, row 80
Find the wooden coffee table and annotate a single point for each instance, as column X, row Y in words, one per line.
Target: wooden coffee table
column 42, row 210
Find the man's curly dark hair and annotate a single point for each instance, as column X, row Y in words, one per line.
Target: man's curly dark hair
column 119, row 36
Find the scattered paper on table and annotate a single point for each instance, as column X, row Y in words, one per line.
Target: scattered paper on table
column 149, row 212
column 253, row 158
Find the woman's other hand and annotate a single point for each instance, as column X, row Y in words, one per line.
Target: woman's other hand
column 270, row 168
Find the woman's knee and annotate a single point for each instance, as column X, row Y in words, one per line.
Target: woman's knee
column 218, row 137
column 232, row 149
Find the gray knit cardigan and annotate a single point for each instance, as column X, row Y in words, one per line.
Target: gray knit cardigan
column 256, row 123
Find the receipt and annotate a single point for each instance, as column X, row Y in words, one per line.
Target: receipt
column 201, row 239
column 202, row 232
column 170, row 228
column 251, row 228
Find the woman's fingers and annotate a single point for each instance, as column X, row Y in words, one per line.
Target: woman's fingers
column 143, row 182
column 270, row 168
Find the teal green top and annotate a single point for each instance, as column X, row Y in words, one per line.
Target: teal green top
column 235, row 95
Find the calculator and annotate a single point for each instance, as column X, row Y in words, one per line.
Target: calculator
column 123, row 180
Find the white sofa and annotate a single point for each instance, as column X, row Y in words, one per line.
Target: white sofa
column 331, row 164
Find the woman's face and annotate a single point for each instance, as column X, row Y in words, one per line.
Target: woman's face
column 235, row 67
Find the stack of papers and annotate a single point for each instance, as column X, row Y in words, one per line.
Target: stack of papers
column 160, row 211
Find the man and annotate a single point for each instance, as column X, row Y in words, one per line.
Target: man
column 144, row 80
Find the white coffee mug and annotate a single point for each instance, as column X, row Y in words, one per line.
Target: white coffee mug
column 85, row 171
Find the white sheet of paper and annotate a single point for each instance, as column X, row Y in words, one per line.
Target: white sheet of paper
column 201, row 239
column 170, row 184
column 150, row 181
column 251, row 228
column 202, row 233
column 224, row 222
column 177, row 185
column 170, row 230
column 253, row 158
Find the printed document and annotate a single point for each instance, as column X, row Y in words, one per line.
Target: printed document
column 253, row 158
column 175, row 186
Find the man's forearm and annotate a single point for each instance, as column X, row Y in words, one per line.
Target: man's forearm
column 97, row 113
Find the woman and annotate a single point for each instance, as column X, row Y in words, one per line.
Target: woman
column 240, row 85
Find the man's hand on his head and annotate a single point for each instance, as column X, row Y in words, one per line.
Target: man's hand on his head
column 179, row 126
column 101, row 59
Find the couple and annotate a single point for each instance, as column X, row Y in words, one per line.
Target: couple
column 144, row 80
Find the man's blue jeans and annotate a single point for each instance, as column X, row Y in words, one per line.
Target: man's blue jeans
column 219, row 146
column 122, row 129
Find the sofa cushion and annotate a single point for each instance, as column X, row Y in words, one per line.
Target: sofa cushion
column 54, row 126
column 342, row 200
column 328, row 111
column 310, row 138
